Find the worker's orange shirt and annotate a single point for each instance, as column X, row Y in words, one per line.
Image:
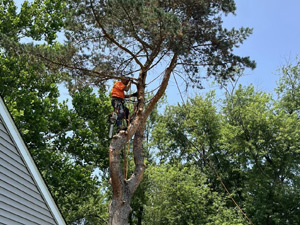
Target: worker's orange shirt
column 118, row 90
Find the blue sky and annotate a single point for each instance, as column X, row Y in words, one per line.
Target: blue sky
column 275, row 38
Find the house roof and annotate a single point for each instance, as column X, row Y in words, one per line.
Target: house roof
column 19, row 176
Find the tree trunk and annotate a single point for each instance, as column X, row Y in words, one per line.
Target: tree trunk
column 119, row 208
column 123, row 189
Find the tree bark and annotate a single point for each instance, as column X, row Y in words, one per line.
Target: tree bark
column 119, row 208
column 123, row 189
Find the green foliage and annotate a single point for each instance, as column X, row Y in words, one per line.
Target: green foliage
column 40, row 19
column 253, row 142
column 263, row 139
column 288, row 88
column 166, row 135
column 180, row 195
column 86, row 141
column 9, row 23
column 197, row 120
column 76, row 189
column 65, row 143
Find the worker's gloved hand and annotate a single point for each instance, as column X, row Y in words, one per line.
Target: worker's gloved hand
column 134, row 94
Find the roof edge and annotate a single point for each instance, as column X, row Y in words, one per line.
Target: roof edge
column 31, row 165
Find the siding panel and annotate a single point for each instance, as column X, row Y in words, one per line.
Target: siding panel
column 9, row 183
column 16, row 195
column 16, row 175
column 13, row 154
column 20, row 200
column 8, row 147
column 6, row 221
column 20, row 216
column 12, row 160
column 7, row 202
column 2, row 127
column 5, row 136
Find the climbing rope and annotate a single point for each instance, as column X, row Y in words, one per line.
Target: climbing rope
column 126, row 174
column 155, row 78
column 128, row 145
column 211, row 164
column 127, row 155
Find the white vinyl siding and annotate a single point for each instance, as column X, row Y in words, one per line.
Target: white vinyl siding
column 20, row 199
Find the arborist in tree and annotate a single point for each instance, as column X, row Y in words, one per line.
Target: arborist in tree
column 117, row 101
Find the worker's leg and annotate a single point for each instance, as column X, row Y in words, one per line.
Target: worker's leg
column 118, row 108
column 126, row 111
column 120, row 113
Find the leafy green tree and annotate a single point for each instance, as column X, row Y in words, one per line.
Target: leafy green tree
column 263, row 138
column 54, row 133
column 288, row 88
column 109, row 38
column 180, row 194
column 187, row 134
column 48, row 128
column 253, row 142
column 197, row 120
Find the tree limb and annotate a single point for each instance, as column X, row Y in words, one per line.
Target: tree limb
column 162, row 88
column 112, row 39
column 103, row 75
column 138, row 153
column 144, row 44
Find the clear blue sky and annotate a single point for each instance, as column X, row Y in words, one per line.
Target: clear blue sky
column 275, row 38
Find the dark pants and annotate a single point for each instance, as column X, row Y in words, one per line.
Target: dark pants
column 121, row 110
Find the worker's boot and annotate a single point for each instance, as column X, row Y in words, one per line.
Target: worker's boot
column 121, row 127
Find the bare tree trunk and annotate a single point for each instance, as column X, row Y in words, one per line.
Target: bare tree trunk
column 119, row 208
column 123, row 189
